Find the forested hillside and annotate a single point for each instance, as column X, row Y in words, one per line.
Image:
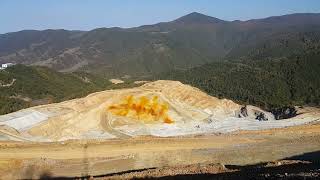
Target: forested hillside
column 186, row 42
column 22, row 86
column 269, row 84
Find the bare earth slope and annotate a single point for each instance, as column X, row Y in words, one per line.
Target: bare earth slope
column 161, row 108
column 162, row 123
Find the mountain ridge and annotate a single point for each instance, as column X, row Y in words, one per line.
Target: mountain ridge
column 189, row 41
column 196, row 17
column 192, row 13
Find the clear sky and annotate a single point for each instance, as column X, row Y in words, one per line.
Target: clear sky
column 17, row 15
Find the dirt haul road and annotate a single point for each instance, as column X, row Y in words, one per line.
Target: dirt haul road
column 162, row 123
column 83, row 158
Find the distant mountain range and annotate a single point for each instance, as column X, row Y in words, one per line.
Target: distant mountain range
column 186, row 42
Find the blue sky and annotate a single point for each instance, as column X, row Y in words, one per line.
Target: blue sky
column 17, row 15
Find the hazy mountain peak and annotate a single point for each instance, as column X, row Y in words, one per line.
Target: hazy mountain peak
column 198, row 18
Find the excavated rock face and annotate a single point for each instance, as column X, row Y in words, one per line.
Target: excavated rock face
column 284, row 113
column 243, row 112
column 161, row 108
column 190, row 96
column 261, row 116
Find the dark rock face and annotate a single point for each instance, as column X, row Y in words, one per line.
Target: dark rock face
column 261, row 116
column 243, row 111
column 284, row 113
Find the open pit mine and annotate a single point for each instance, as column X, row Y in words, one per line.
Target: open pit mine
column 161, row 123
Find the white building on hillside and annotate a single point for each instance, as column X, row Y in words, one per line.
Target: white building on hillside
column 5, row 65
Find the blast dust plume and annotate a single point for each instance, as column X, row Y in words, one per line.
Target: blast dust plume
column 143, row 109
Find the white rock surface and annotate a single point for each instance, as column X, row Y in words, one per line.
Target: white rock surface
column 22, row 120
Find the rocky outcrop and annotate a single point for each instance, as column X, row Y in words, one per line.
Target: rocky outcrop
column 244, row 111
column 284, row 113
column 254, row 112
column 261, row 116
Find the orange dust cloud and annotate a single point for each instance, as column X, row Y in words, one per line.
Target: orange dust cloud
column 142, row 109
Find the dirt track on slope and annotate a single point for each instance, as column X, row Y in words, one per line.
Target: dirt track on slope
column 105, row 123
column 85, row 158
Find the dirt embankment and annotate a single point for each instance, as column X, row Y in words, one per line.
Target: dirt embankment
column 282, row 169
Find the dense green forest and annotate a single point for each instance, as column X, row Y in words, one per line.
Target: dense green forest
column 40, row 85
column 269, row 84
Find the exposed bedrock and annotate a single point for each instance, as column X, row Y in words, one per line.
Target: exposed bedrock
column 284, row 113
column 278, row 113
